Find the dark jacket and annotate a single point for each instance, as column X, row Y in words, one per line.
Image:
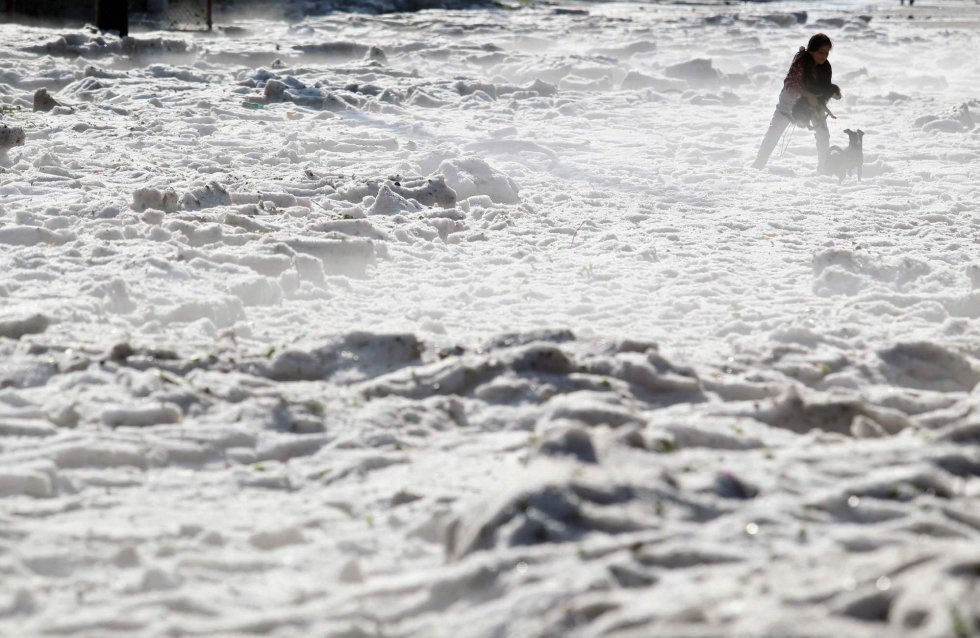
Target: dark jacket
column 805, row 73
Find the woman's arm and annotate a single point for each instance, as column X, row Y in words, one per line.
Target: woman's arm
column 796, row 78
column 795, row 81
column 832, row 90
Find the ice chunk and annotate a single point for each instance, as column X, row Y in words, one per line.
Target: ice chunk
column 142, row 415
column 471, row 176
column 15, row 328
column 11, row 136
column 165, row 200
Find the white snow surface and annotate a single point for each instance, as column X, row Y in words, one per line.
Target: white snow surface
column 477, row 323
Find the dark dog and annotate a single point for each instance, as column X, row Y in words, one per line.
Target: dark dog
column 841, row 161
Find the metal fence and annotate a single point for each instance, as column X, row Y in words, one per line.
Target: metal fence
column 159, row 14
column 176, row 15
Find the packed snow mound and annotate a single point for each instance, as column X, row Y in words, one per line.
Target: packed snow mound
column 292, row 90
column 430, row 191
column 427, row 191
column 537, row 88
column 472, row 176
column 607, row 482
column 24, row 235
column 207, row 195
column 334, row 50
column 636, row 80
column 786, row 20
column 197, row 197
column 347, row 359
column 552, row 508
column 88, row 45
column 165, row 200
column 700, row 72
column 959, row 120
column 17, row 327
column 929, row 366
column 388, row 202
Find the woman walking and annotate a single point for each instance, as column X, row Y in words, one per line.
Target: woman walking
column 803, row 100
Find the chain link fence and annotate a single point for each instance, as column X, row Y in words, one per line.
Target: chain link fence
column 173, row 15
column 178, row 15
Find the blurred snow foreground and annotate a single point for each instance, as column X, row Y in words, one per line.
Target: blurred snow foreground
column 475, row 324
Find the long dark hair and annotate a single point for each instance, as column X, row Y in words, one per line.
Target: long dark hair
column 818, row 41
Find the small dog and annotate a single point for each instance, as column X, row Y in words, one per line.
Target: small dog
column 841, row 161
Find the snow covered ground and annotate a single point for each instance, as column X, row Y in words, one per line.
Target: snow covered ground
column 478, row 324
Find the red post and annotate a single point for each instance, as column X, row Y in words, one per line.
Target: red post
column 210, row 15
column 10, row 10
